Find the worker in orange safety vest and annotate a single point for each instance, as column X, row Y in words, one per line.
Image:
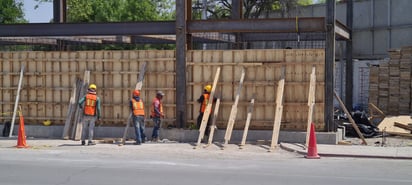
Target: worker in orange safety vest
column 203, row 100
column 137, row 108
column 91, row 112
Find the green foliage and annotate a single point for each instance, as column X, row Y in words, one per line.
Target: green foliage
column 11, row 12
column 305, row 2
column 254, row 8
column 118, row 10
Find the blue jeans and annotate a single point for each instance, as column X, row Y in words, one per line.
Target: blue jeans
column 156, row 127
column 88, row 123
column 138, row 123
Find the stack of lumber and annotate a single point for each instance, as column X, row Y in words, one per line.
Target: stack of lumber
column 390, row 83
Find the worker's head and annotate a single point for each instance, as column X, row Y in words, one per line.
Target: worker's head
column 92, row 87
column 136, row 93
column 160, row 94
column 208, row 88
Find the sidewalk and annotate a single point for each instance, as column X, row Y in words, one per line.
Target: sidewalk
column 324, row 150
column 358, row 151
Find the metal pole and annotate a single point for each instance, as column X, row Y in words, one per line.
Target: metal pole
column 329, row 65
column 349, row 57
column 204, row 17
column 17, row 101
column 181, row 118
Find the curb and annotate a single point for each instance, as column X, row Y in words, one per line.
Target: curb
column 302, row 152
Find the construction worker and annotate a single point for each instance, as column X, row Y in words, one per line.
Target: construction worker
column 91, row 112
column 203, row 100
column 156, row 113
column 137, row 108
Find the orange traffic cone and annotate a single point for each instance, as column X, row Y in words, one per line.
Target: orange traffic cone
column 21, row 138
column 312, row 148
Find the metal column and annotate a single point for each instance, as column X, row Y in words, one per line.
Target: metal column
column 349, row 57
column 181, row 117
column 236, row 14
column 329, row 65
column 59, row 11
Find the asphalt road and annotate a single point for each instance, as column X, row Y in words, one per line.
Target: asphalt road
column 180, row 164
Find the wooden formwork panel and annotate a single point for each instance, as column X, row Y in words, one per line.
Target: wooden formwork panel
column 262, row 73
column 50, row 77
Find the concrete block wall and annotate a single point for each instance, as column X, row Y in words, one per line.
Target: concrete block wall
column 183, row 135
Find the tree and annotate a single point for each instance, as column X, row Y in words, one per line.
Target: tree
column 117, row 10
column 253, row 9
column 11, row 12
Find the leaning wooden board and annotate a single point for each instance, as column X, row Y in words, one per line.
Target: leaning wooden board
column 279, row 110
column 139, row 85
column 233, row 112
column 249, row 117
column 208, row 109
column 78, row 124
column 311, row 102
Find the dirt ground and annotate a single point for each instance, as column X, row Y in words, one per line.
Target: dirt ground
column 379, row 141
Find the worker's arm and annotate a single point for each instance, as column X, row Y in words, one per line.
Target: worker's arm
column 81, row 101
column 98, row 108
column 131, row 105
column 201, row 98
column 156, row 105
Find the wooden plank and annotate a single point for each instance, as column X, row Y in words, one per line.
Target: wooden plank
column 206, row 114
column 17, row 100
column 213, row 126
column 138, row 86
column 311, row 102
column 70, row 112
column 78, row 123
column 400, row 134
column 350, row 118
column 403, row 126
column 248, row 118
column 279, row 110
column 233, row 112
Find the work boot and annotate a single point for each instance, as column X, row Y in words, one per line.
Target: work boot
column 83, row 142
column 155, row 139
column 137, row 143
column 91, row 143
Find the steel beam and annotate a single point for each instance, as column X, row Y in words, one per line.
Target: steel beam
column 81, row 29
column 349, row 57
column 280, row 25
column 162, row 27
column 329, row 65
column 181, row 110
column 342, row 30
column 253, row 37
column 59, row 11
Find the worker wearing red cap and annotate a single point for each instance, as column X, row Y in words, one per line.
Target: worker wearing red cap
column 156, row 113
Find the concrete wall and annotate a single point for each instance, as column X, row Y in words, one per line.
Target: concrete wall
column 378, row 25
column 184, row 135
column 360, row 81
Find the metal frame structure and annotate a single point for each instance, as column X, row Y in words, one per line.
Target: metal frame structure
column 184, row 29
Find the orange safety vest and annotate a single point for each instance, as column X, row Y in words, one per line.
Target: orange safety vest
column 152, row 110
column 138, row 108
column 204, row 103
column 90, row 105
